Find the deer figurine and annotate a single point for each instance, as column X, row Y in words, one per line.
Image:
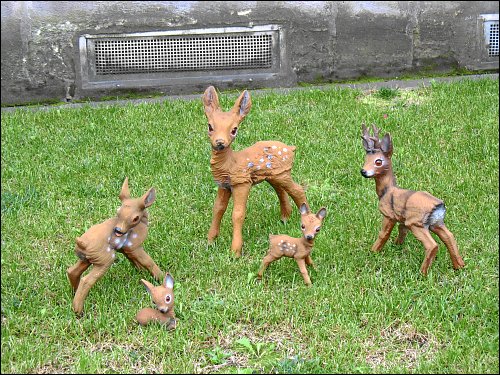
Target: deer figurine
column 417, row 211
column 298, row 248
column 125, row 233
column 163, row 298
column 236, row 172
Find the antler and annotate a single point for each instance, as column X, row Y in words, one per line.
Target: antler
column 370, row 143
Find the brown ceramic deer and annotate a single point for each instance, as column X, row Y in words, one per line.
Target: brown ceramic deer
column 298, row 248
column 124, row 233
column 236, row 172
column 417, row 211
column 163, row 298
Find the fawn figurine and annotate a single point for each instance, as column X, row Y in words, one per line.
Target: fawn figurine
column 298, row 248
column 236, row 172
column 163, row 298
column 125, row 233
column 417, row 211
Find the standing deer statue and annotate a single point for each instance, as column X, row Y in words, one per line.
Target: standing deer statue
column 163, row 298
column 417, row 211
column 125, row 233
column 236, row 172
column 298, row 248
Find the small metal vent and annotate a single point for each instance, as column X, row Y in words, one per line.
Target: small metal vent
column 182, row 56
column 492, row 38
column 139, row 55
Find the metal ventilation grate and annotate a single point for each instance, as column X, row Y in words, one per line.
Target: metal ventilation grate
column 183, row 57
column 165, row 54
column 492, row 38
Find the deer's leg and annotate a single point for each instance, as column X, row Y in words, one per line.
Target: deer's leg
column 385, row 232
column 303, row 270
column 431, row 247
column 403, row 231
column 310, row 262
column 285, row 206
column 240, row 197
column 449, row 240
column 75, row 272
column 220, row 207
column 291, row 187
column 269, row 258
column 86, row 283
column 142, row 260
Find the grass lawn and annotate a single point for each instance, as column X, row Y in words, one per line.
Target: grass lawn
column 62, row 171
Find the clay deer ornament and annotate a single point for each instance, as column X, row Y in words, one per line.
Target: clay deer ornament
column 163, row 298
column 298, row 248
column 417, row 211
column 124, row 233
column 236, row 172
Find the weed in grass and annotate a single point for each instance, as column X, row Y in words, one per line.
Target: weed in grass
column 387, row 93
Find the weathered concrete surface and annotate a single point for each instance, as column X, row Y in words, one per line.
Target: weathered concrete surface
column 324, row 40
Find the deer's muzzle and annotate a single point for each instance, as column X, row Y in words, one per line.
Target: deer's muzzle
column 118, row 231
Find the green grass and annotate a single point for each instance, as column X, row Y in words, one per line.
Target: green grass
column 62, row 170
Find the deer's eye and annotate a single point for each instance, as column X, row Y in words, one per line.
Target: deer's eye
column 136, row 219
column 378, row 162
column 234, row 131
column 168, row 298
column 317, row 229
column 210, row 128
column 303, row 226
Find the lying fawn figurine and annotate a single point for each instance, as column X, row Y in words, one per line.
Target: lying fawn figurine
column 236, row 172
column 298, row 248
column 417, row 211
column 124, row 233
column 163, row 297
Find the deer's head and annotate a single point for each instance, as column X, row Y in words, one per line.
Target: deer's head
column 378, row 153
column 132, row 209
column 223, row 126
column 311, row 222
column 162, row 295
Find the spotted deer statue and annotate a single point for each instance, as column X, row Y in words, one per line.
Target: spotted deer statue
column 163, row 298
column 124, row 233
column 417, row 211
column 298, row 248
column 235, row 172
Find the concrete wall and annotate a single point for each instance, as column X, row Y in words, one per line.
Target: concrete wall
column 324, row 40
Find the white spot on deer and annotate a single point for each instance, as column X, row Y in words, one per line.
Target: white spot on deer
column 274, row 147
column 261, row 160
column 250, row 165
column 108, row 249
column 269, row 157
column 134, row 235
column 268, row 165
column 113, row 255
column 128, row 243
column 258, row 167
column 279, row 152
column 285, row 149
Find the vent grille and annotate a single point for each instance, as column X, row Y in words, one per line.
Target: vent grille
column 492, row 38
column 177, row 54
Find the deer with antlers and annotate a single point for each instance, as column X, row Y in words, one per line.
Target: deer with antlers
column 236, row 172
column 125, row 233
column 417, row 211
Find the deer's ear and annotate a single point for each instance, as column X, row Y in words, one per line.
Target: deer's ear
column 243, row 104
column 321, row 213
column 169, row 281
column 210, row 100
column 148, row 285
column 386, row 145
column 304, row 209
column 125, row 193
column 149, row 197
